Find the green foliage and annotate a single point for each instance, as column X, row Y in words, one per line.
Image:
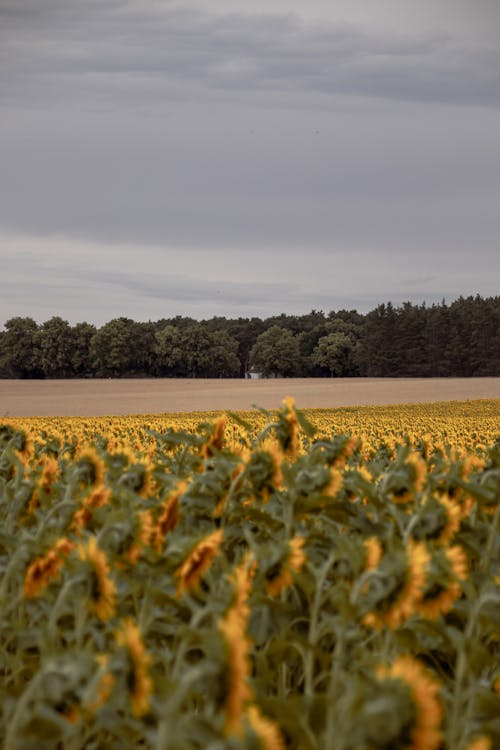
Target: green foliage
column 193, row 351
column 462, row 339
column 20, row 348
column 276, row 352
column 335, row 353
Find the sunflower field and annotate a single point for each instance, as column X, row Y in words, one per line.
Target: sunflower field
column 320, row 580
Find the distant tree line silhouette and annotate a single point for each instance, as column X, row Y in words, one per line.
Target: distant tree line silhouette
column 457, row 340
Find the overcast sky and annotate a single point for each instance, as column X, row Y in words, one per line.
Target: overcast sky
column 222, row 157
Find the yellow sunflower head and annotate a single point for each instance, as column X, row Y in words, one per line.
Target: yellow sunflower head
column 46, row 568
column 91, row 467
column 280, row 576
column 263, row 469
column 233, row 627
column 442, row 588
column 102, row 601
column 215, row 440
column 267, row 731
column 395, row 586
column 198, row 561
column 139, row 683
column 423, row 731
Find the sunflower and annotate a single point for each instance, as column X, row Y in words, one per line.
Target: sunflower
column 293, row 562
column 148, row 484
column 105, row 684
column 373, row 552
column 146, row 536
column 26, row 449
column 46, row 569
column 50, row 472
column 335, row 483
column 439, row 520
column 408, row 480
column 103, row 595
column 401, row 589
column 92, row 467
column 198, row 561
column 138, row 680
column 215, row 440
column 453, row 517
column 264, row 468
column 290, row 436
column 425, row 733
column 169, row 517
column 233, row 628
column 480, row 743
column 98, row 497
column 417, row 463
column 34, row 502
column 345, row 450
column 266, row 730
column 442, row 588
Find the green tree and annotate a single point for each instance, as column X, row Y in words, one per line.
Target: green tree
column 335, row 353
column 196, row 352
column 112, row 348
column 56, row 347
column 169, row 354
column 20, row 349
column 81, row 361
column 276, row 352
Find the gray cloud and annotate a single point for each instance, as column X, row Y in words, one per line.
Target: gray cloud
column 98, row 282
column 150, row 50
column 164, row 158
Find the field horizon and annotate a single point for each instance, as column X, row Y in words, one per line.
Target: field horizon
column 135, row 396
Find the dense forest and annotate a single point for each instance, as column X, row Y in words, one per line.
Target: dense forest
column 457, row 340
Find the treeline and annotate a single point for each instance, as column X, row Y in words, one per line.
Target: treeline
column 460, row 340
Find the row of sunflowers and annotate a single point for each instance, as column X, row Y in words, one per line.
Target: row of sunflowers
column 322, row 580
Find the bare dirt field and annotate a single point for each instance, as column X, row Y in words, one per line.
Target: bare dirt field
column 22, row 398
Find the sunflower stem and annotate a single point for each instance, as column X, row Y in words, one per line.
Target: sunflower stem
column 461, row 672
column 331, row 741
column 313, row 626
column 491, row 540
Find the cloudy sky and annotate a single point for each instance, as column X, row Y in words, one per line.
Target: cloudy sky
column 222, row 157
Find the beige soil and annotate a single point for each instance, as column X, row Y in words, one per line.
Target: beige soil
column 21, row 398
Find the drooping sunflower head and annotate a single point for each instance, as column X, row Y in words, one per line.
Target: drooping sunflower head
column 46, row 568
column 234, row 630
column 145, row 535
column 419, row 723
column 374, row 552
column 169, row 516
column 482, row 742
column 25, row 447
column 91, row 467
column 439, row 520
column 49, row 475
column 280, row 575
column 102, row 684
column 198, row 561
column 406, row 478
column 442, row 588
column 287, row 429
column 215, row 440
column 102, row 597
column 263, row 469
column 139, row 683
column 267, row 731
column 395, row 586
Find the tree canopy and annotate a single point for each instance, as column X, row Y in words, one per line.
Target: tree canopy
column 461, row 340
